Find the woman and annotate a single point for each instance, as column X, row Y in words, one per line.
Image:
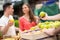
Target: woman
column 28, row 19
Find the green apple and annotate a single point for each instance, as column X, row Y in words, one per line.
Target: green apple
column 42, row 14
column 42, row 26
column 47, row 26
column 39, row 25
column 47, row 22
column 56, row 25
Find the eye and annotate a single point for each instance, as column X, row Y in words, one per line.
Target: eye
column 25, row 7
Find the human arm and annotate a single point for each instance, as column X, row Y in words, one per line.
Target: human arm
column 37, row 19
column 55, row 17
column 6, row 28
column 56, row 31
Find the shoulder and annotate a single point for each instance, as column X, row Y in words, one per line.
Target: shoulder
column 21, row 18
column 2, row 21
column 2, row 18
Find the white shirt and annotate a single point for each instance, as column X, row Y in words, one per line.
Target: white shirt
column 3, row 22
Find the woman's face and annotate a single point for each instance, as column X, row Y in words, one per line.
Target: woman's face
column 25, row 9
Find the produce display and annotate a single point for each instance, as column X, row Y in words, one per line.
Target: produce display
column 43, row 26
column 38, row 29
column 48, row 25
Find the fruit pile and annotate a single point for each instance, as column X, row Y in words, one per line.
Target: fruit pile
column 41, row 27
column 48, row 25
column 44, row 25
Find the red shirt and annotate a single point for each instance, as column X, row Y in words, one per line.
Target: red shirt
column 24, row 24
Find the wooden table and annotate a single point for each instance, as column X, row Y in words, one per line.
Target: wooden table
column 34, row 36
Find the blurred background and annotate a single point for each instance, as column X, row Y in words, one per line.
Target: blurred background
column 18, row 3
column 35, row 4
